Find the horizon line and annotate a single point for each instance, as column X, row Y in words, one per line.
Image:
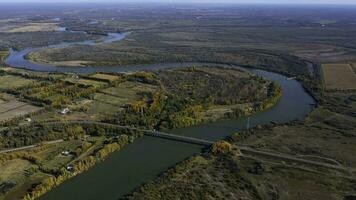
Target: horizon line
column 170, row 3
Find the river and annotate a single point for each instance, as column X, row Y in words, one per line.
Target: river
column 148, row 157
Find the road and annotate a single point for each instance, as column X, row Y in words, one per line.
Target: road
column 29, row 147
column 291, row 158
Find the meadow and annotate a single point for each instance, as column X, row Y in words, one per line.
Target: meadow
column 339, row 76
column 13, row 82
column 3, row 55
column 32, row 27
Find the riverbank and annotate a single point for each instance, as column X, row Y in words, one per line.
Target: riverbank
column 81, row 165
column 323, row 136
column 162, row 154
column 231, row 175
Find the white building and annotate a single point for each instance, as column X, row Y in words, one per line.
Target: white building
column 65, row 111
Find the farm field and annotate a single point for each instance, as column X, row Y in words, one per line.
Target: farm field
column 3, row 54
column 128, row 91
column 13, row 173
column 32, row 27
column 110, row 100
column 11, row 169
column 105, row 77
column 58, row 94
column 87, row 82
column 13, row 82
column 10, row 108
column 354, row 67
column 106, row 101
column 339, row 76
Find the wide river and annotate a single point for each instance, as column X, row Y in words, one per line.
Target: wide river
column 148, row 157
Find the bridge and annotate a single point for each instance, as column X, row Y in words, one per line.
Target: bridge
column 246, row 151
column 146, row 132
column 178, row 138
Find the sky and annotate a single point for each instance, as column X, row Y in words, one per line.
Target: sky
column 200, row 1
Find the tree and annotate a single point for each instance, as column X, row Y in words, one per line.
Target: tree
column 221, row 147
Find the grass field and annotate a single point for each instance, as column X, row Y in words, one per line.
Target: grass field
column 21, row 189
column 354, row 67
column 33, row 27
column 13, row 82
column 113, row 98
column 105, row 77
column 13, row 169
column 129, row 91
column 339, row 76
column 83, row 81
column 124, row 93
column 3, row 55
column 51, row 157
column 10, row 108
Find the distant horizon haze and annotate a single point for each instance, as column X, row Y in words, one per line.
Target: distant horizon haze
column 320, row 2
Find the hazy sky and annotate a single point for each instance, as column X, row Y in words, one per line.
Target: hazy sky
column 203, row 1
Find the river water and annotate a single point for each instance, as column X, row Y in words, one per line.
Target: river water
column 148, row 157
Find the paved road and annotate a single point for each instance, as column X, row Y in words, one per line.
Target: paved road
column 29, row 147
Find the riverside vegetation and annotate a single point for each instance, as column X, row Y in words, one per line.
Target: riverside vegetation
column 193, row 95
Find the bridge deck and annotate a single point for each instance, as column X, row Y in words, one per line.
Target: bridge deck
column 243, row 149
column 179, row 138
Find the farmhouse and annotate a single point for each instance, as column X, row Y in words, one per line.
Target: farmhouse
column 70, row 167
column 66, row 153
column 65, row 111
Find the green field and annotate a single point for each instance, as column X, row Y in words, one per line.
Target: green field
column 105, row 77
column 3, row 55
column 112, row 99
column 86, row 82
column 11, row 108
column 13, row 82
column 339, row 76
column 125, row 92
